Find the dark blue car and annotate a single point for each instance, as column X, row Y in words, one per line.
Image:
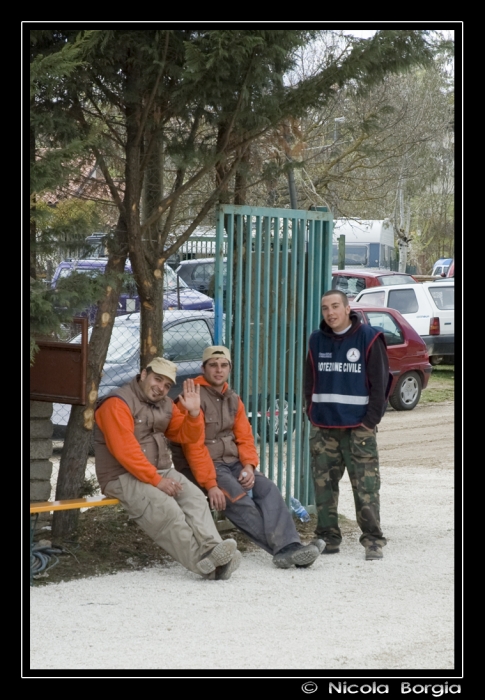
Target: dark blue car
column 177, row 294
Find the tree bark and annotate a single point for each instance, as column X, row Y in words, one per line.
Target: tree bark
column 79, row 432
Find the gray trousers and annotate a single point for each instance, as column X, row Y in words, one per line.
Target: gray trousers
column 182, row 525
column 264, row 518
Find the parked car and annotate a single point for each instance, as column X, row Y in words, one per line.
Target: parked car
column 199, row 273
column 177, row 295
column 351, row 282
column 408, row 356
column 441, row 267
column 430, row 309
column 185, row 336
column 451, row 269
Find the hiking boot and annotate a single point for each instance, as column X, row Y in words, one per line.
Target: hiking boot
column 325, row 548
column 296, row 554
column 331, row 548
column 223, row 573
column 373, row 551
column 220, row 555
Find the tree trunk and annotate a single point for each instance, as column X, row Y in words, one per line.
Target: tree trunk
column 152, row 319
column 74, row 456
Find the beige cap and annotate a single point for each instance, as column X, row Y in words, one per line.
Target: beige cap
column 216, row 351
column 160, row 365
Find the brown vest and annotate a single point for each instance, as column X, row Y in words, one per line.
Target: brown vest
column 151, row 421
column 219, row 416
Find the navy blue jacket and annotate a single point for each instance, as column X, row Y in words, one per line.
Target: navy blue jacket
column 347, row 377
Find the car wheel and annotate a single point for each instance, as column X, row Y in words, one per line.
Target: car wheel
column 407, row 392
column 436, row 360
column 278, row 406
column 281, row 406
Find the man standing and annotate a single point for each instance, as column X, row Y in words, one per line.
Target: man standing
column 347, row 383
column 133, row 464
column 224, row 462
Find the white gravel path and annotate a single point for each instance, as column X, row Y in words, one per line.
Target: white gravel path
column 341, row 613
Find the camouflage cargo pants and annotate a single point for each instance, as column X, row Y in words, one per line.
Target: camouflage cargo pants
column 333, row 449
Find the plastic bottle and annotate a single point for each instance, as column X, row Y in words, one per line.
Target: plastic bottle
column 299, row 511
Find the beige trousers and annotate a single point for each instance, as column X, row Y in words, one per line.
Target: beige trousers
column 182, row 525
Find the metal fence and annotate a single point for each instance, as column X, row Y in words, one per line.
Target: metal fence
column 279, row 263
column 266, row 305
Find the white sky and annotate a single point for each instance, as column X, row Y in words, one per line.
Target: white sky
column 361, row 33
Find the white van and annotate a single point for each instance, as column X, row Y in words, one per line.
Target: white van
column 428, row 307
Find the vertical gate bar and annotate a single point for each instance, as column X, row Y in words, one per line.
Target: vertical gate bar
column 274, row 336
column 327, row 254
column 283, row 349
column 300, row 344
column 318, row 259
column 247, row 295
column 318, row 273
column 218, row 280
column 308, row 322
column 292, row 303
column 257, row 329
column 229, row 280
column 238, row 305
column 265, row 306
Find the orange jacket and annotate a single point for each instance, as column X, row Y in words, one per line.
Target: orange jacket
column 198, row 456
column 115, row 421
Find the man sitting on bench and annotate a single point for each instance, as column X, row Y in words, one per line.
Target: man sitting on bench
column 133, row 464
column 224, row 463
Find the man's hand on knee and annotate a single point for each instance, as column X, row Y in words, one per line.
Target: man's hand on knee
column 217, row 499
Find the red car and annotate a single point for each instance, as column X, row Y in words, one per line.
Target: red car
column 408, row 356
column 351, row 282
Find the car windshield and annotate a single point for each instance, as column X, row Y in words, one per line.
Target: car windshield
column 387, row 280
column 354, row 255
column 348, row 285
column 125, row 341
column 373, row 298
column 170, row 278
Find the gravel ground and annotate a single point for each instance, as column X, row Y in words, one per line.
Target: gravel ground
column 343, row 613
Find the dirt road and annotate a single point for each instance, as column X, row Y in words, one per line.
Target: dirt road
column 423, row 436
column 342, row 613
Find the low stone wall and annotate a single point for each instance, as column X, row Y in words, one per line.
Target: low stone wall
column 40, row 450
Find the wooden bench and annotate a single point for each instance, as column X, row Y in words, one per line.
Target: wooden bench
column 69, row 504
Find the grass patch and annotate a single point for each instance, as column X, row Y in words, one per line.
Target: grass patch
column 441, row 385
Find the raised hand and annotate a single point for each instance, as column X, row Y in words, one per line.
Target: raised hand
column 190, row 397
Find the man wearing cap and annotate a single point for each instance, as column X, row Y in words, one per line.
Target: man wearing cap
column 133, row 464
column 224, row 463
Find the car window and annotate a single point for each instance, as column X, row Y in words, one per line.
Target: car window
column 186, row 340
column 124, row 343
column 170, row 281
column 373, row 298
column 355, row 255
column 384, row 322
column 67, row 272
column 387, row 280
column 348, row 285
column 404, row 300
column 443, row 297
column 203, row 273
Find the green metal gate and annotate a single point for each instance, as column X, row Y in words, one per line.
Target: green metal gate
column 267, row 302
